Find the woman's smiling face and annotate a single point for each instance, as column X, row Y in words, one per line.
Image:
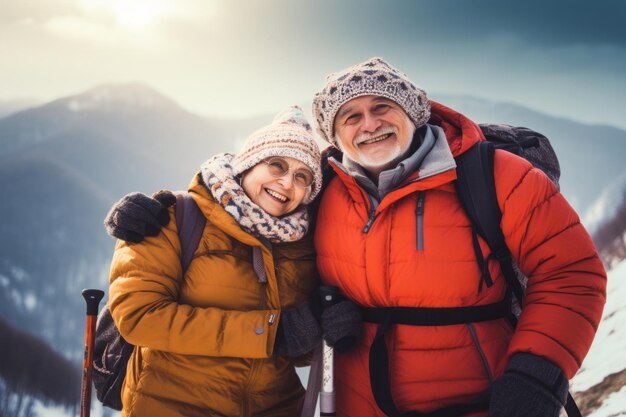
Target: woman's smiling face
column 277, row 196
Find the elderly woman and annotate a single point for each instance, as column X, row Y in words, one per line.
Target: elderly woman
column 223, row 339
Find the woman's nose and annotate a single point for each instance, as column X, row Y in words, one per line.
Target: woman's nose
column 287, row 180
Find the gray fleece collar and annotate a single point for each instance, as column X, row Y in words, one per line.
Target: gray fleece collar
column 432, row 157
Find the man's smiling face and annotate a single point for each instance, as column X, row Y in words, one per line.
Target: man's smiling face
column 374, row 132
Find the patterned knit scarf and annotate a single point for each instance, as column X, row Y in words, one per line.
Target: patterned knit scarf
column 217, row 176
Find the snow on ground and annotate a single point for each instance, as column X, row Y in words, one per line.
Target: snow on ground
column 97, row 410
column 303, row 373
column 608, row 352
column 607, row 205
column 613, row 406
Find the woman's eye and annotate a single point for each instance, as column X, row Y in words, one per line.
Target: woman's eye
column 279, row 166
column 304, row 178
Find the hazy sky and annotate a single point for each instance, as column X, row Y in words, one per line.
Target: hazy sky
column 240, row 58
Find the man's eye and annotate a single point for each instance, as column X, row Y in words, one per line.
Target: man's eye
column 352, row 118
column 380, row 108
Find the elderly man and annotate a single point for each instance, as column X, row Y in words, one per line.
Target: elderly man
column 392, row 235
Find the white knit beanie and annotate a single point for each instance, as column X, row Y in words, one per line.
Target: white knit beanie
column 373, row 77
column 289, row 135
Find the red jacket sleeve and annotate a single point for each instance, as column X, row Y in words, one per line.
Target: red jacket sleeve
column 566, row 288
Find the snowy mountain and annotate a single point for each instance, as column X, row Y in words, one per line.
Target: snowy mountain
column 61, row 166
column 607, row 205
column 606, row 221
column 119, row 97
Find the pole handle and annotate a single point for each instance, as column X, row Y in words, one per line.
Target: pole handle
column 92, row 298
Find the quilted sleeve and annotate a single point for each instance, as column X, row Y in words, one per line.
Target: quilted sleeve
column 145, row 281
column 566, row 288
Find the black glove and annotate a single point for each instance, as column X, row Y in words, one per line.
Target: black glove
column 342, row 325
column 530, row 387
column 136, row 216
column 298, row 332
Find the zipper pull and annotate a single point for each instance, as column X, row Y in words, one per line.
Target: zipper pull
column 419, row 221
column 420, row 203
column 368, row 225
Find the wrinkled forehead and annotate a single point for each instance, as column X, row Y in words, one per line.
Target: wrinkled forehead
column 362, row 103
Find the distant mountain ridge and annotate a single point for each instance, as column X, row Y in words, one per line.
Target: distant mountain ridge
column 122, row 102
column 8, row 107
column 116, row 97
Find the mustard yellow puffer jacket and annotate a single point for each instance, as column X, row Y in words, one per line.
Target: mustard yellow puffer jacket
column 205, row 340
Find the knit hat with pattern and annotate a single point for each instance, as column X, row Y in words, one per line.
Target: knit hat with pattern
column 373, row 77
column 288, row 135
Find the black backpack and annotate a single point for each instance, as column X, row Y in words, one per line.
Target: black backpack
column 111, row 351
column 476, row 189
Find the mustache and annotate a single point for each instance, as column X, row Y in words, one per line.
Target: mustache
column 382, row 131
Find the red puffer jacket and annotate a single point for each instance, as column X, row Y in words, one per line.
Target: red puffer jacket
column 434, row 366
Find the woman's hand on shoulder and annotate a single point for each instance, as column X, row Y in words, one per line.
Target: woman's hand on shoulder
column 136, row 215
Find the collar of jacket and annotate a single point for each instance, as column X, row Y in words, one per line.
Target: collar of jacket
column 410, row 185
column 460, row 133
column 430, row 168
column 219, row 217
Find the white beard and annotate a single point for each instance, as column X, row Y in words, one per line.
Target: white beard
column 377, row 164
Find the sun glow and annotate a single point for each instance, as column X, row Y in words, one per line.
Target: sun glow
column 134, row 14
column 139, row 13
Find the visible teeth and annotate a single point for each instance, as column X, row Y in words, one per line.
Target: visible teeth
column 376, row 139
column 275, row 194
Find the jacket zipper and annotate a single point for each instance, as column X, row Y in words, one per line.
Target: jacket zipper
column 254, row 370
column 419, row 220
column 372, row 215
column 483, row 357
column 368, row 225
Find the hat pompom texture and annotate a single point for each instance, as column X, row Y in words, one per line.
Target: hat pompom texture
column 289, row 135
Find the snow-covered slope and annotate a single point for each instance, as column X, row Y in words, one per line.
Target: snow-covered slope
column 605, row 365
column 606, row 206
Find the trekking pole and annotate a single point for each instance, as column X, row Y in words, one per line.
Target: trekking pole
column 92, row 298
column 327, row 392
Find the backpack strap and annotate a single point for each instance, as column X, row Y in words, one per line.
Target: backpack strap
column 476, row 188
column 477, row 191
column 190, row 223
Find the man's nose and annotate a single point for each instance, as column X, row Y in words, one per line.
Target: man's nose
column 370, row 122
